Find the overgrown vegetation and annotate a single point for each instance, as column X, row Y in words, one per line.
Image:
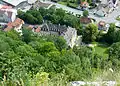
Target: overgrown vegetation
column 31, row 59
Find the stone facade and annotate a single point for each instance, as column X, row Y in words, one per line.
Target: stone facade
column 69, row 33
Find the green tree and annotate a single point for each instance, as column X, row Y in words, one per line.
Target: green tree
column 36, row 14
column 116, row 36
column 85, row 13
column 39, row 19
column 47, row 47
column 4, row 46
column 89, row 1
column 13, row 34
column 60, row 12
column 29, row 18
column 85, row 54
column 70, row 20
column 110, row 34
column 27, row 35
column 90, row 33
column 114, row 55
column 25, row 50
column 20, row 14
column 114, row 50
column 43, row 11
column 60, row 43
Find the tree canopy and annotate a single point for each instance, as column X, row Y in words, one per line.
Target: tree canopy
column 90, row 33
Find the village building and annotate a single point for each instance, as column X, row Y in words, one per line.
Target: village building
column 106, row 7
column 23, row 5
column 84, row 5
column 16, row 25
column 101, row 25
column 85, row 20
column 7, row 14
column 34, row 28
column 68, row 33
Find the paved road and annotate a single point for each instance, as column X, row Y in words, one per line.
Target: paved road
column 109, row 19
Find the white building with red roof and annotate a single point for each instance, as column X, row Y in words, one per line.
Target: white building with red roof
column 16, row 25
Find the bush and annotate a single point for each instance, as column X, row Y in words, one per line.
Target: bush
column 118, row 18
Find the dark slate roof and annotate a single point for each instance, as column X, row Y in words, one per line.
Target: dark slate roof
column 53, row 27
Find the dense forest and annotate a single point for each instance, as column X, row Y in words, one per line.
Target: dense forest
column 32, row 60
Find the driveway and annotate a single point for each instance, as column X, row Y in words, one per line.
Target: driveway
column 108, row 19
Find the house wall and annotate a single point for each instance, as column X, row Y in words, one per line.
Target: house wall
column 13, row 17
column 3, row 17
column 18, row 29
column 7, row 15
column 68, row 33
column 70, row 36
column 73, row 39
column 48, row 33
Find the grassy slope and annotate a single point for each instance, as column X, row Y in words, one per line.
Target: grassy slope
column 101, row 48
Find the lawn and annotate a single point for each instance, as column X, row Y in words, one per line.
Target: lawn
column 101, row 48
column 63, row 3
column 73, row 5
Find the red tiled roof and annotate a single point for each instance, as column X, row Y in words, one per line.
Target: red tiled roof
column 102, row 23
column 85, row 20
column 34, row 28
column 5, row 7
column 14, row 24
column 86, row 4
column 37, row 29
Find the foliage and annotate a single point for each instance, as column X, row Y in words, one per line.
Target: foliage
column 101, row 49
column 114, row 55
column 85, row 13
column 114, row 50
column 60, row 43
column 27, row 35
column 55, row 16
column 116, row 36
column 32, row 59
column 31, row 16
column 90, row 33
column 109, row 37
